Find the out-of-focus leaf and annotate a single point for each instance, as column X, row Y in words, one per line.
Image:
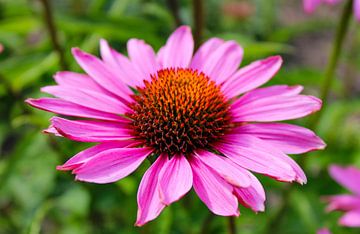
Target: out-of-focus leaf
column 120, row 29
column 21, row 25
column 255, row 49
column 22, row 71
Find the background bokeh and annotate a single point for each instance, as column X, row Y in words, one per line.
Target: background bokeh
column 35, row 198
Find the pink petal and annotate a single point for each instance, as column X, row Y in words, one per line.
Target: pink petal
column 85, row 155
column 111, row 165
column 91, row 131
column 83, row 81
column 275, row 90
column 178, row 49
column 223, row 62
column 88, row 98
column 332, row 2
column 102, row 75
column 311, row 5
column 148, row 199
column 205, row 51
column 343, row 202
column 300, row 176
column 347, row 177
column 357, row 9
column 175, row 179
column 252, row 196
column 120, row 65
column 350, row 219
column 323, row 231
column 275, row 108
column 290, row 139
column 228, row 170
column 249, row 153
column 63, row 107
column 142, row 57
column 214, row 191
column 252, row 76
column 52, row 130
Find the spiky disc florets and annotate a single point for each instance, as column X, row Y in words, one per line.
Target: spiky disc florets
column 180, row 110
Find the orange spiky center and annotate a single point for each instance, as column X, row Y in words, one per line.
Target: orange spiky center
column 180, row 110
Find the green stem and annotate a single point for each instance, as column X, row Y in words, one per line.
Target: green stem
column 231, row 225
column 198, row 16
column 50, row 25
column 340, row 35
column 205, row 227
column 175, row 11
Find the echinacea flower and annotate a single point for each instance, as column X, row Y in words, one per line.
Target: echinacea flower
column 349, row 177
column 311, row 5
column 203, row 122
column 323, row 231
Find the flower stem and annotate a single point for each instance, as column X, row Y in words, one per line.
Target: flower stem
column 198, row 16
column 205, row 227
column 175, row 11
column 50, row 25
column 231, row 225
column 340, row 35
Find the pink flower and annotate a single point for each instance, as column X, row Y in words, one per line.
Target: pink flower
column 204, row 122
column 323, row 231
column 311, row 5
column 349, row 177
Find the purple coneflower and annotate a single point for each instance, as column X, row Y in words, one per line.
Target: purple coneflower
column 203, row 122
column 311, row 5
column 349, row 177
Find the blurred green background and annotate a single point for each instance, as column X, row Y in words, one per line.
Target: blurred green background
column 35, row 198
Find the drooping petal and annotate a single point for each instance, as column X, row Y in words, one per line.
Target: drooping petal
column 175, row 179
column 290, row 139
column 252, row 196
column 85, row 155
column 347, row 177
column 228, row 170
column 249, row 140
column 350, row 219
column 275, row 108
column 178, row 49
column 223, row 62
column 248, row 152
column 87, row 98
column 52, row 130
column 111, row 165
column 311, row 5
column 148, row 197
column 91, row 131
column 142, row 57
column 63, row 107
column 251, row 76
column 120, row 64
column 213, row 190
column 204, row 52
column 102, row 75
column 343, row 202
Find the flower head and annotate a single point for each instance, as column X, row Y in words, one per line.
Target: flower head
column 350, row 204
column 311, row 5
column 205, row 123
